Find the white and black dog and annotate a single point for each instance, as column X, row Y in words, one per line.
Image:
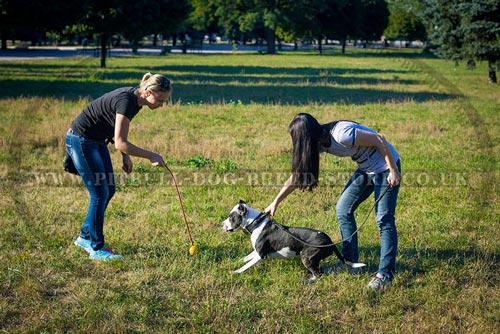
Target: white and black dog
column 272, row 239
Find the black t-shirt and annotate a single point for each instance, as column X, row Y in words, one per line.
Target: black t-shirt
column 97, row 120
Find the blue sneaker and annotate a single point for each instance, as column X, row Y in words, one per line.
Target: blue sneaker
column 84, row 244
column 104, row 254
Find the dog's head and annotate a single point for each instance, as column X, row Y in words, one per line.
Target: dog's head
column 237, row 217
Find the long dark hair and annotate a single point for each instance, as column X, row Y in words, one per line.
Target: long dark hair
column 306, row 133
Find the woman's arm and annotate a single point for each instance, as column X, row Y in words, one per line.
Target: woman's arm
column 123, row 145
column 366, row 138
column 286, row 190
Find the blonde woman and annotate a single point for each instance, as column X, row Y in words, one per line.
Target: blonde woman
column 105, row 118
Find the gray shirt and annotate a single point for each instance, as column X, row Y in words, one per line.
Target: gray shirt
column 343, row 137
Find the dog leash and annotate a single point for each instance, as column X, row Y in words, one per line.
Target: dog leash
column 284, row 229
column 182, row 208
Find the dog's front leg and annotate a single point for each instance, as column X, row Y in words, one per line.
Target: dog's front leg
column 249, row 256
column 253, row 261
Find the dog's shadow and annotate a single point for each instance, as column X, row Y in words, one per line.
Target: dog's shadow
column 221, row 253
column 411, row 262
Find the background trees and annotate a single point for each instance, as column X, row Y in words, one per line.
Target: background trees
column 375, row 17
column 461, row 30
column 150, row 18
column 406, row 22
column 466, row 31
column 30, row 20
column 102, row 18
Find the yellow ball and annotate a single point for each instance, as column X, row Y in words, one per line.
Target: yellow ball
column 193, row 250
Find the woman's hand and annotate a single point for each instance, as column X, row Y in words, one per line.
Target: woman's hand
column 157, row 160
column 127, row 163
column 394, row 177
column 271, row 209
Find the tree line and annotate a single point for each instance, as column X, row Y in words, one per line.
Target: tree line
column 33, row 20
column 240, row 21
column 466, row 31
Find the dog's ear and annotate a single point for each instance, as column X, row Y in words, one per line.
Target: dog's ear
column 242, row 207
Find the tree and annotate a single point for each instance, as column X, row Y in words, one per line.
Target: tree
column 335, row 19
column 150, row 17
column 143, row 13
column 295, row 20
column 405, row 21
column 322, row 14
column 263, row 13
column 30, row 20
column 405, row 26
column 345, row 20
column 374, row 19
column 292, row 20
column 103, row 18
column 202, row 14
column 171, row 16
column 242, row 16
column 467, row 31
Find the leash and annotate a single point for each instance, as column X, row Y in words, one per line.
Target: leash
column 284, row 229
column 182, row 208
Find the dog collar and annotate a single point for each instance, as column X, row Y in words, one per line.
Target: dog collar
column 255, row 223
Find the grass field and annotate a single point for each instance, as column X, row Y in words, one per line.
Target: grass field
column 224, row 136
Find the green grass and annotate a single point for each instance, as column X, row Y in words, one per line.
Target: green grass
column 225, row 138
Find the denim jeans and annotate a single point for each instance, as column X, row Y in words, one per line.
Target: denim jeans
column 358, row 189
column 93, row 162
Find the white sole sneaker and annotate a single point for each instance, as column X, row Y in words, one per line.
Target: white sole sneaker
column 83, row 244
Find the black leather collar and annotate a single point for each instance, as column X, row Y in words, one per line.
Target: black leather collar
column 256, row 222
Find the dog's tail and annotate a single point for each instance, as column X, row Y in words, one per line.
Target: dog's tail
column 355, row 264
column 342, row 259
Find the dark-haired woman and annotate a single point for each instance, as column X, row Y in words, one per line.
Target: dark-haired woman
column 378, row 168
column 108, row 117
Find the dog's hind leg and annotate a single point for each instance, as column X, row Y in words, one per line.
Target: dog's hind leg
column 312, row 264
column 256, row 259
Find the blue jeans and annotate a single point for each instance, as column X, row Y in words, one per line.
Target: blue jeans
column 92, row 160
column 358, row 189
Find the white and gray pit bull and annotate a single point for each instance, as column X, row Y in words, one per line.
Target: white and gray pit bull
column 272, row 239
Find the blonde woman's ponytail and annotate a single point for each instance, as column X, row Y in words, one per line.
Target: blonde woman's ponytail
column 155, row 82
column 145, row 79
